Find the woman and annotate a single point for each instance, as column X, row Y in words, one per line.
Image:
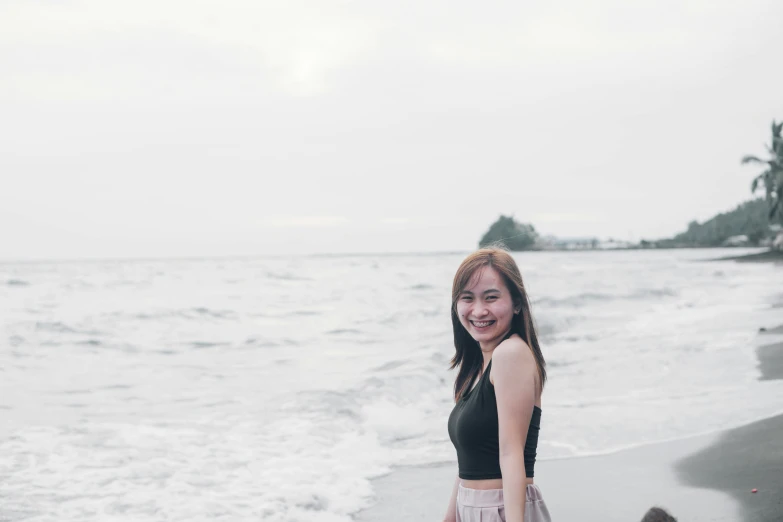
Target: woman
column 495, row 422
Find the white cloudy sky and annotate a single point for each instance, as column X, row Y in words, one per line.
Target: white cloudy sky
column 173, row 127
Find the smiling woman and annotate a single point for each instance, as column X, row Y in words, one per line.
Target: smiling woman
column 496, row 419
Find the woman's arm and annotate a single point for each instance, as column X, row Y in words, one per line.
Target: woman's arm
column 514, row 486
column 514, row 375
column 451, row 511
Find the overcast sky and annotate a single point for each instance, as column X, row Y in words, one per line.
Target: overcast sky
column 180, row 128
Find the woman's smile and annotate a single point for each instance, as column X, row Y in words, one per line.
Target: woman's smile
column 481, row 325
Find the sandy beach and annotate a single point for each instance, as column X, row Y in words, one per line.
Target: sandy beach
column 698, row 479
column 706, row 478
column 616, row 487
column 690, row 478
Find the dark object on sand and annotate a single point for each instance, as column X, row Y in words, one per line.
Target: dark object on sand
column 762, row 329
column 657, row 514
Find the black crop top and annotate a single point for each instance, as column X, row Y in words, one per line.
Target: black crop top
column 473, row 428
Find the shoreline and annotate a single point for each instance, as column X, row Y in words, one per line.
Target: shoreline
column 768, row 256
column 746, row 463
column 700, row 478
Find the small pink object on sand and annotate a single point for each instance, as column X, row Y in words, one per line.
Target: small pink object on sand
column 754, row 490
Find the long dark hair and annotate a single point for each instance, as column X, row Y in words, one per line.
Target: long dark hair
column 468, row 352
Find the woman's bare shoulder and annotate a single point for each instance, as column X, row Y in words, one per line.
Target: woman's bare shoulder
column 511, row 357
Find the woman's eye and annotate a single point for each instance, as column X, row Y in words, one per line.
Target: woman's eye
column 491, row 297
column 466, row 298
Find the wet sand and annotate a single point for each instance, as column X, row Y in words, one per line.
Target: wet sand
column 617, row 487
column 706, row 478
column 743, row 459
column 768, row 256
column 770, row 358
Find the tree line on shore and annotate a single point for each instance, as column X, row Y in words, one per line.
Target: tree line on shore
column 758, row 220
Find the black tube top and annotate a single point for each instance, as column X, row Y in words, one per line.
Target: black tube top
column 473, row 429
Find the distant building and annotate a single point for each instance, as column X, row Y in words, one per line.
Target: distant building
column 560, row 243
column 582, row 243
column 614, row 244
column 737, row 241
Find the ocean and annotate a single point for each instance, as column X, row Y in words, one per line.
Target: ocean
column 276, row 388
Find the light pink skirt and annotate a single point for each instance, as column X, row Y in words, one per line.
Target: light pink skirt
column 486, row 505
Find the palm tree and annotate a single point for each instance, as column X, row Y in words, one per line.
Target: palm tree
column 772, row 177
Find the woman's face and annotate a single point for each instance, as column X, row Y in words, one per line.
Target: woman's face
column 485, row 308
